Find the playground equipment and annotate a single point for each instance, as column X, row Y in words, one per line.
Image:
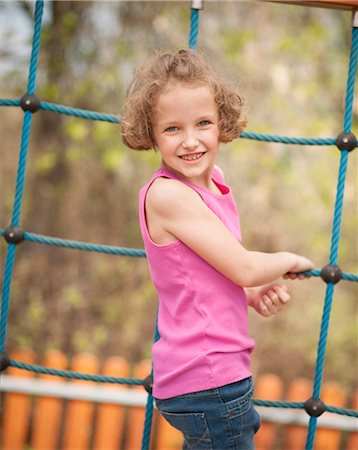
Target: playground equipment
column 330, row 273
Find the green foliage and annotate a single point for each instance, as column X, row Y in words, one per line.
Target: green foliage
column 46, row 162
column 73, row 297
column 76, row 129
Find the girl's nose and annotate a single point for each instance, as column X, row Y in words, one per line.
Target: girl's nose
column 190, row 143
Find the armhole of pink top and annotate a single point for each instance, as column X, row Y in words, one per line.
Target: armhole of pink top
column 143, row 215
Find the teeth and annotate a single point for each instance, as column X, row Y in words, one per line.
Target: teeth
column 191, row 157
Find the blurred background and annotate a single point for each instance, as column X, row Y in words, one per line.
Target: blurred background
column 82, row 184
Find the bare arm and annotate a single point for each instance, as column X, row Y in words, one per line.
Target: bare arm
column 180, row 213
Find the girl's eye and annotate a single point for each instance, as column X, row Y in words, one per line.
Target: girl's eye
column 172, row 128
column 204, row 123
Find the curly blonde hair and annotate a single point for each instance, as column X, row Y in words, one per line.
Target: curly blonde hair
column 187, row 67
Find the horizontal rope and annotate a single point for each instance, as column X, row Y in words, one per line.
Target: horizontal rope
column 124, row 251
column 70, row 374
column 300, row 405
column 9, row 102
column 286, row 139
column 61, row 109
column 76, row 112
column 278, row 404
column 109, row 249
column 74, row 375
column 349, row 276
column 93, row 115
column 345, row 275
column 342, row 411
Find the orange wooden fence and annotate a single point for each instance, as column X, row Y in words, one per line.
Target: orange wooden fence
column 51, row 423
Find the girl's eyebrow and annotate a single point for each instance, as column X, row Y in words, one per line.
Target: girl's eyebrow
column 207, row 116
column 165, row 124
column 174, row 121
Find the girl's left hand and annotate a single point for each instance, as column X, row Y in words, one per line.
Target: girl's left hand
column 270, row 299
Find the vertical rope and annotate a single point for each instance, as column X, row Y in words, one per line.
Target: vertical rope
column 311, row 433
column 337, row 219
column 149, row 408
column 147, row 423
column 28, row 115
column 194, row 27
column 9, row 264
column 21, row 170
column 351, row 80
column 20, row 181
column 35, row 47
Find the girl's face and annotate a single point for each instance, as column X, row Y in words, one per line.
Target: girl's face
column 186, row 132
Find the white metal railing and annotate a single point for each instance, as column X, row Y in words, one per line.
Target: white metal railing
column 134, row 397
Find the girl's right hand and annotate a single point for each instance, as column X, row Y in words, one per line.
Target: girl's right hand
column 302, row 264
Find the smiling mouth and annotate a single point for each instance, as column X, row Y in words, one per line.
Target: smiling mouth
column 192, row 157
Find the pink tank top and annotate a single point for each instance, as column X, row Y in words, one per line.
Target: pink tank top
column 202, row 315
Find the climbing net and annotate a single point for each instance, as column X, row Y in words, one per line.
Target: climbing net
column 331, row 273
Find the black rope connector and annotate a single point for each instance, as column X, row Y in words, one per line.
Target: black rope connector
column 29, row 102
column 4, row 361
column 148, row 383
column 314, row 407
column 331, row 273
column 346, row 141
column 14, row 235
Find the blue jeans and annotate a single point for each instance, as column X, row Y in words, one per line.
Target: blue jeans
column 217, row 419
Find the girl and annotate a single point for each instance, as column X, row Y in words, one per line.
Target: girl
column 204, row 276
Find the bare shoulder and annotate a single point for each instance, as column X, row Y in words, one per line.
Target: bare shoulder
column 170, row 206
column 166, row 195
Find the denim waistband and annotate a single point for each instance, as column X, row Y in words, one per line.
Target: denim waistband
column 246, row 384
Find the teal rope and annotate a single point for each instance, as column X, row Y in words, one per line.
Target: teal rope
column 345, row 275
column 278, row 404
column 9, row 102
column 300, row 405
column 287, row 140
column 335, row 236
column 350, row 277
column 150, row 401
column 35, row 47
column 93, row 115
column 124, row 251
column 337, row 218
column 74, row 375
column 70, row 374
column 111, row 118
column 342, row 411
column 352, row 71
column 194, row 27
column 9, row 266
column 76, row 112
column 109, row 249
column 321, row 353
column 20, row 181
column 147, row 423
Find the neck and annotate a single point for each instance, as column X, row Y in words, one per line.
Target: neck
column 205, row 180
